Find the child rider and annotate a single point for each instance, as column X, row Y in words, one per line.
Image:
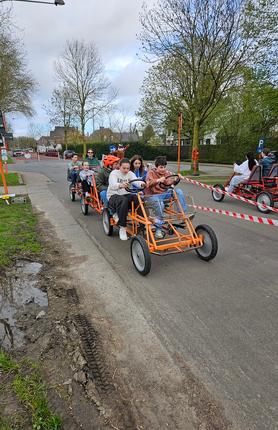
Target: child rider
column 110, row 162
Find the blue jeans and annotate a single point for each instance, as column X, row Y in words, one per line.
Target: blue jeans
column 103, row 196
column 73, row 177
column 158, row 199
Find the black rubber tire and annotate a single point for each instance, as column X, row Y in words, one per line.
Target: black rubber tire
column 209, row 234
column 139, row 243
column 268, row 202
column 218, row 197
column 71, row 194
column 107, row 227
column 84, row 206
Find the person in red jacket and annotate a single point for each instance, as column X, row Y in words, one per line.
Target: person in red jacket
column 157, row 194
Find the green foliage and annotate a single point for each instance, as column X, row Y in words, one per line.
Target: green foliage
column 6, row 362
column 225, row 153
column 16, row 83
column 247, row 113
column 31, row 391
column 18, row 235
column 12, row 179
column 28, row 386
column 148, row 133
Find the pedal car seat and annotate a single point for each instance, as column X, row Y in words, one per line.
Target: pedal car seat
column 255, row 176
column 271, row 180
column 274, row 171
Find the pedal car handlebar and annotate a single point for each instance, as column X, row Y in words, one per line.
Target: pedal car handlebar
column 138, row 188
column 174, row 183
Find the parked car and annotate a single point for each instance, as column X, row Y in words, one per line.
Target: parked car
column 18, row 153
column 52, row 153
column 29, row 149
column 68, row 154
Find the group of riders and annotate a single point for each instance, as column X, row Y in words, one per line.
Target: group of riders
column 243, row 170
column 113, row 181
column 114, row 176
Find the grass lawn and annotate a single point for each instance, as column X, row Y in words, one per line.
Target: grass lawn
column 18, row 232
column 24, row 382
column 11, row 179
column 205, row 178
column 10, row 160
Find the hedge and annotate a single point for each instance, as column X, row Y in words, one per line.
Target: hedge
column 224, row 153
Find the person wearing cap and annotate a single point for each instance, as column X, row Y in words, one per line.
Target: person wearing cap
column 267, row 160
column 110, row 162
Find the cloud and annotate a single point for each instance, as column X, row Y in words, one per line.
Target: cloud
column 112, row 25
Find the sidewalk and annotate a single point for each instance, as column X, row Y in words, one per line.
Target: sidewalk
column 18, row 190
column 158, row 388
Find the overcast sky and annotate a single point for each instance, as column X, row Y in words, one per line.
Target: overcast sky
column 111, row 24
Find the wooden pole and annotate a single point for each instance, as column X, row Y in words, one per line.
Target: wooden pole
column 179, row 141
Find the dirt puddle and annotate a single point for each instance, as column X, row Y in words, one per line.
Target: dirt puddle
column 19, row 291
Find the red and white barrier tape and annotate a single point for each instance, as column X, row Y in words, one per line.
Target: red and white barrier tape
column 245, row 217
column 243, row 199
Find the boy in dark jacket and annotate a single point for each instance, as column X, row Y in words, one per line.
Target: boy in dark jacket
column 266, row 162
column 110, row 162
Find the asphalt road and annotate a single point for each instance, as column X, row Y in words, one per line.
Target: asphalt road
column 221, row 318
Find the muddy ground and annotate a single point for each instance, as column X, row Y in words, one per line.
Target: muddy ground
column 41, row 318
column 76, row 353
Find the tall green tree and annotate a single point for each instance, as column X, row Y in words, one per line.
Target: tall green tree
column 16, row 83
column 248, row 113
column 207, row 42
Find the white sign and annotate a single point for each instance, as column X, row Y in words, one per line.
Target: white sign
column 4, row 154
column 27, row 155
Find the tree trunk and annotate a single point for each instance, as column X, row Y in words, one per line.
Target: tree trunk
column 195, row 143
column 66, row 138
column 83, row 138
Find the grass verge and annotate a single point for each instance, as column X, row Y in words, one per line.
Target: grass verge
column 12, row 179
column 25, row 381
column 18, row 232
column 10, row 160
column 206, row 179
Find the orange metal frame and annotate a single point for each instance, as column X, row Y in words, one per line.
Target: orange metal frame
column 177, row 242
column 93, row 200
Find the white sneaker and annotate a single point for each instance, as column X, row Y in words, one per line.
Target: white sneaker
column 227, row 189
column 122, row 233
column 158, row 234
column 116, row 218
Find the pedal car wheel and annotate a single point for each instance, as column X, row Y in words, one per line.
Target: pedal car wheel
column 107, row 227
column 218, row 197
column 84, row 206
column 265, row 198
column 210, row 244
column 140, row 255
column 71, row 194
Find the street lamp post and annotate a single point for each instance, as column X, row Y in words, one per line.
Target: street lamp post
column 55, row 2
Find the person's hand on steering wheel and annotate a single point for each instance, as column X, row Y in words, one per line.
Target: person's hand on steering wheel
column 124, row 185
column 161, row 180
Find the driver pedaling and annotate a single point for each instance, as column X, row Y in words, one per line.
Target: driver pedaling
column 263, row 190
column 179, row 234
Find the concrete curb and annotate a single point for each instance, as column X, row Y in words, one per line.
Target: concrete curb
column 142, row 360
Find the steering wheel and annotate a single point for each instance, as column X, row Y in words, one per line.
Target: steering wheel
column 138, row 188
column 175, row 182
